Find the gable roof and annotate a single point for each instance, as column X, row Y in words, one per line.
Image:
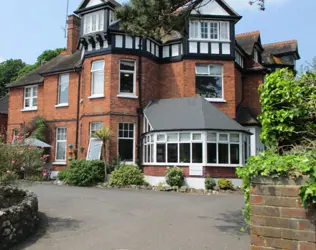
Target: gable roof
column 84, row 3
column 248, row 40
column 189, row 113
column 63, row 62
column 4, row 105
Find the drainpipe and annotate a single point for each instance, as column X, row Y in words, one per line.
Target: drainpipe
column 78, row 110
column 139, row 110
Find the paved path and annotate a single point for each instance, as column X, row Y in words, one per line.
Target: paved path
column 108, row 219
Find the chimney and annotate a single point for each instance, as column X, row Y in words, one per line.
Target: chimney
column 73, row 33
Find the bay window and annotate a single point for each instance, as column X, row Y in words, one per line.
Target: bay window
column 30, row 98
column 209, row 81
column 185, row 148
column 209, row 30
column 93, row 22
column 97, row 79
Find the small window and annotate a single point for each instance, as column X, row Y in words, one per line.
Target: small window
column 30, row 97
column 204, row 30
column 256, row 55
column 63, row 87
column 126, row 142
column 97, row 78
column 61, row 144
column 94, row 127
column 194, row 29
column 127, row 77
column 113, row 17
column 209, row 81
column 214, row 30
column 224, row 31
column 93, row 22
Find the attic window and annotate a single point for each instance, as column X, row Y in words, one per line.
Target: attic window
column 94, row 22
column 209, row 30
column 256, row 55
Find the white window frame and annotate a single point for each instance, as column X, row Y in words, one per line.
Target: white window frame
column 56, row 148
column 123, row 138
column 89, row 147
column 147, row 141
column 30, row 98
column 91, row 130
column 88, row 22
column 213, row 99
column 63, row 104
column 94, row 72
column 196, row 31
column 122, row 94
column 239, row 59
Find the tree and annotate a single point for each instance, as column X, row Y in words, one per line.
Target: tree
column 157, row 18
column 104, row 135
column 9, row 70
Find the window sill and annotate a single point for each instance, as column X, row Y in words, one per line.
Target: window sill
column 29, row 109
column 215, row 100
column 96, row 96
column 127, row 96
column 60, row 163
column 62, row 105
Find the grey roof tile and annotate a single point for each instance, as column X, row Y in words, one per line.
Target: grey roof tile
column 246, row 117
column 4, row 104
column 189, row 113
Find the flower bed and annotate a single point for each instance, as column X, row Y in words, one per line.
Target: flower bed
column 18, row 215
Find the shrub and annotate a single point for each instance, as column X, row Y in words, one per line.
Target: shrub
column 83, row 173
column 174, row 177
column 127, row 175
column 210, row 183
column 113, row 165
column 225, row 184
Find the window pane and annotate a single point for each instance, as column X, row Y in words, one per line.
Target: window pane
column 126, row 82
column 161, row 152
column 35, row 102
column 211, row 153
column 27, row 92
column 172, row 153
column 224, row 31
column 185, row 152
column 204, row 29
column 202, row 69
column 223, row 137
column 172, row 137
column 63, row 92
column 214, row 30
column 131, row 126
column 234, row 137
column 161, row 137
column 223, row 153
column 185, row 137
column 27, row 103
column 209, row 86
column 196, row 137
column 234, row 153
column 34, row 89
column 61, row 151
column 216, row 70
column 211, row 136
column 127, row 65
column 197, row 153
column 194, row 29
column 98, row 65
column 126, row 149
column 97, row 83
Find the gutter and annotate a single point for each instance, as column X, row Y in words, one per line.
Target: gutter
column 139, row 110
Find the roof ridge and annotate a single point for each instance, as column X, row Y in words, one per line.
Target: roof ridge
column 248, row 33
column 280, row 43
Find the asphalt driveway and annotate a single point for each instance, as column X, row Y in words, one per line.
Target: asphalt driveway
column 106, row 219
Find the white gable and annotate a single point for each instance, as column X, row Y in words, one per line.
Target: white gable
column 211, row 8
column 94, row 2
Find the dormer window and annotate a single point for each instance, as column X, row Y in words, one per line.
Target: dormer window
column 94, row 22
column 209, row 30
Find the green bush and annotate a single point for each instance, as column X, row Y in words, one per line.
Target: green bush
column 174, row 177
column 127, row 175
column 113, row 165
column 224, row 184
column 83, row 173
column 210, row 183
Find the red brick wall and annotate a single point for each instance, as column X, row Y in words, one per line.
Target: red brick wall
column 278, row 221
column 215, row 172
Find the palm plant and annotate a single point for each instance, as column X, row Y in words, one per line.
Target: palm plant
column 104, row 135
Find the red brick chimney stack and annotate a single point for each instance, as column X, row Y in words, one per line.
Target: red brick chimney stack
column 73, row 33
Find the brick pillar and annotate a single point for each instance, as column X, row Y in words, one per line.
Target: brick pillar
column 278, row 221
column 73, row 33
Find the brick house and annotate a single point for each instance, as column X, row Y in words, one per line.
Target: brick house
column 4, row 115
column 189, row 101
